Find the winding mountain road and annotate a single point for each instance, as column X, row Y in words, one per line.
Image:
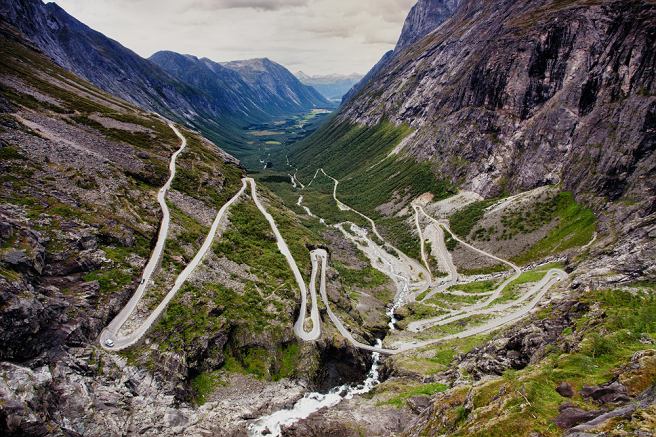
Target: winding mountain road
column 112, row 340
column 111, row 331
column 483, row 308
column 442, row 253
column 299, row 327
column 538, row 290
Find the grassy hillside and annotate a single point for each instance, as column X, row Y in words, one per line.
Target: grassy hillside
column 360, row 158
column 617, row 327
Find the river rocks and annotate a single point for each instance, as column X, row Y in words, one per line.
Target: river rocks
column 352, row 418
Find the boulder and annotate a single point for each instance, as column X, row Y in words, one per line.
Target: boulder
column 87, row 242
column 17, row 259
column 418, row 404
column 607, row 393
column 6, row 231
column 571, row 416
column 565, row 389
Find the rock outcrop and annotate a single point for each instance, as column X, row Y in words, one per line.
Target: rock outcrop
column 424, row 17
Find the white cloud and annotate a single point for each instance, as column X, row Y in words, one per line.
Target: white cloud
column 316, row 36
column 265, row 5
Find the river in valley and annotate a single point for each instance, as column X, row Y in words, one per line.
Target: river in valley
column 273, row 424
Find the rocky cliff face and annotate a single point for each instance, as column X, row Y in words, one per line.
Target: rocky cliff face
column 508, row 96
column 520, row 92
column 424, row 17
column 378, row 68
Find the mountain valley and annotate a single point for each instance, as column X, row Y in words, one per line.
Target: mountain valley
column 465, row 247
column 333, row 87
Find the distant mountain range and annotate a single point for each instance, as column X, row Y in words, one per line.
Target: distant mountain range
column 220, row 100
column 333, row 86
column 252, row 89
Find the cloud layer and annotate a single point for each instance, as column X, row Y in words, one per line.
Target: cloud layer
column 316, row 36
column 263, row 5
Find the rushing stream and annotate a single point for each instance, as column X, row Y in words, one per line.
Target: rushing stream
column 273, row 424
column 312, row 402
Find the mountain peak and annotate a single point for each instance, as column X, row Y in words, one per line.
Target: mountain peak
column 424, row 17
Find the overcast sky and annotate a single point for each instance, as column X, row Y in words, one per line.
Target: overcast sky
column 315, row 36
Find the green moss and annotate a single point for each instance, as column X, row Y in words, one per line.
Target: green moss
column 476, row 287
column 10, row 275
column 367, row 277
column 181, row 324
column 422, row 295
column 262, row 363
column 450, row 242
column 511, row 292
column 198, row 173
column 450, row 300
column 419, row 311
column 444, row 356
column 399, row 400
column 463, row 221
column 289, row 359
column 10, row 152
column 256, row 362
column 250, row 241
column 111, row 280
column 575, row 227
column 204, row 384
